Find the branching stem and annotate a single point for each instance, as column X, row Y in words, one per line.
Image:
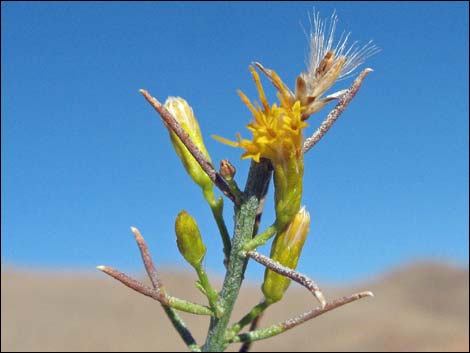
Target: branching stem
column 281, row 327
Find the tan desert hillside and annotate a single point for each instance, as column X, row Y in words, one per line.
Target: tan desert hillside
column 420, row 307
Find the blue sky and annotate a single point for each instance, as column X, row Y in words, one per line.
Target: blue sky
column 84, row 157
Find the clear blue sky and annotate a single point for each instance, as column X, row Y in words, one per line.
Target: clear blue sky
column 84, row 156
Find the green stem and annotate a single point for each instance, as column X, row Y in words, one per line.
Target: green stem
column 245, row 215
column 233, row 186
column 260, row 334
column 189, row 307
column 183, row 331
column 211, row 293
column 217, row 208
column 246, row 320
column 281, row 327
column 261, row 238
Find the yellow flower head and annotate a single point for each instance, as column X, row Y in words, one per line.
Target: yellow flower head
column 277, row 130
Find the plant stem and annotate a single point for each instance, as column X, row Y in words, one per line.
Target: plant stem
column 189, row 307
column 245, row 215
column 246, row 346
column 247, row 319
column 172, row 315
column 281, row 327
column 183, row 331
column 261, row 238
column 217, row 208
column 159, row 295
column 211, row 293
column 175, row 319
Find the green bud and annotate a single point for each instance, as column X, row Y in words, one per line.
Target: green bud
column 189, row 239
column 183, row 113
column 288, row 177
column 286, row 249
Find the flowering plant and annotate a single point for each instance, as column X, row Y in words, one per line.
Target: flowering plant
column 277, row 150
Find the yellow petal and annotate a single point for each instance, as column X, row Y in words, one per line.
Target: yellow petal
column 225, row 141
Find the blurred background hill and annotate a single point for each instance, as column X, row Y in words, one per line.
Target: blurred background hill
column 418, row 307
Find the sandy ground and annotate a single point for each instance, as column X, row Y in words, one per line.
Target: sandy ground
column 420, row 307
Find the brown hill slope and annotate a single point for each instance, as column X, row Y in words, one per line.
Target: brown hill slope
column 421, row 307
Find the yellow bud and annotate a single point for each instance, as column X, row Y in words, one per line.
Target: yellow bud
column 183, row 113
column 286, row 250
column 189, row 239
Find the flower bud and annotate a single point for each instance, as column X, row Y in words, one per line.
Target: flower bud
column 189, row 239
column 286, row 249
column 288, row 180
column 184, row 115
column 227, row 170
